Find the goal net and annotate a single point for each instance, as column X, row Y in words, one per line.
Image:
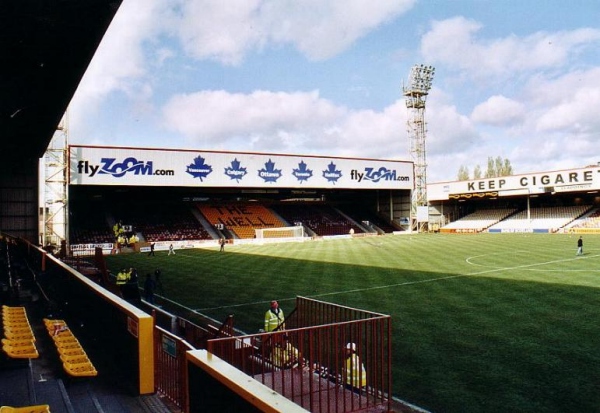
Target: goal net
column 280, row 234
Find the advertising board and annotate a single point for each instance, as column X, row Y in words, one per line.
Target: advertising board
column 90, row 165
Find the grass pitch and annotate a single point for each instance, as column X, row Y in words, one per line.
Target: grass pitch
column 481, row 323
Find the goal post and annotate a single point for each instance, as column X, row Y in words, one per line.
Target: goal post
column 280, row 233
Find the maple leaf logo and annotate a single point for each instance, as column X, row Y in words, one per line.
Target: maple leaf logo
column 331, row 173
column 269, row 173
column 235, row 171
column 199, row 169
column 302, row 173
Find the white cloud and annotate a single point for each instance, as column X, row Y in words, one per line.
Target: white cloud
column 305, row 123
column 227, row 31
column 499, row 111
column 567, row 103
column 448, row 131
column 135, row 43
column 300, row 122
column 120, row 59
column 541, row 102
column 119, row 63
column 220, row 117
column 454, row 43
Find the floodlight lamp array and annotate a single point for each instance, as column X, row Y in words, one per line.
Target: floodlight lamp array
column 421, row 78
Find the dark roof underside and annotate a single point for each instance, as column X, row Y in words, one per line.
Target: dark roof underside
column 45, row 48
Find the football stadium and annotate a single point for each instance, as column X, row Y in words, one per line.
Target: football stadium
column 193, row 280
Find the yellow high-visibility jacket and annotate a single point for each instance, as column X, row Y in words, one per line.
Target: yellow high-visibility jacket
column 356, row 375
column 273, row 320
column 285, row 355
column 123, row 278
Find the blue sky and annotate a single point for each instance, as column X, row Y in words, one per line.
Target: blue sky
column 516, row 79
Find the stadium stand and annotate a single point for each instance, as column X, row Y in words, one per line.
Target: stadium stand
column 479, row 220
column 163, row 222
column 549, row 219
column 89, row 225
column 323, row 220
column 375, row 222
column 175, row 221
column 241, row 218
column 590, row 219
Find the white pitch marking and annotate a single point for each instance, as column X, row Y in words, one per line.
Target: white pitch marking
column 429, row 280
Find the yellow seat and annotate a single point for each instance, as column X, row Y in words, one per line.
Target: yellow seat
column 58, row 329
column 17, row 343
column 19, row 336
column 62, row 332
column 9, row 319
column 80, row 369
column 16, row 323
column 64, row 336
column 40, row 408
column 17, row 329
column 75, row 358
column 50, row 321
column 71, row 351
column 51, row 325
column 67, row 345
column 6, row 308
column 21, row 352
column 66, row 342
column 14, row 313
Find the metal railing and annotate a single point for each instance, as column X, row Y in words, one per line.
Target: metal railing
column 318, row 359
column 169, row 366
column 170, row 351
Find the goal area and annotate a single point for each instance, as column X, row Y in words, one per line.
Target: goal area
column 280, row 234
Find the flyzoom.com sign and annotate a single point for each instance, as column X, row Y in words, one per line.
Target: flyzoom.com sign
column 139, row 167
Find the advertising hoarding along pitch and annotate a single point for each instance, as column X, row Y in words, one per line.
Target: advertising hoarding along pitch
column 90, row 165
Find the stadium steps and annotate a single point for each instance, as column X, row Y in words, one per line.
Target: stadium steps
column 205, row 224
column 360, row 225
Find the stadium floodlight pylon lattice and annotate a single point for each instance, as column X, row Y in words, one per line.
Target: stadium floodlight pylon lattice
column 415, row 93
column 280, row 234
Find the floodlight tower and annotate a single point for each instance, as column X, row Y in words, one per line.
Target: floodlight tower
column 54, row 197
column 415, row 93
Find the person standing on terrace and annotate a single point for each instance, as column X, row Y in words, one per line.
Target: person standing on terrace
column 274, row 318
